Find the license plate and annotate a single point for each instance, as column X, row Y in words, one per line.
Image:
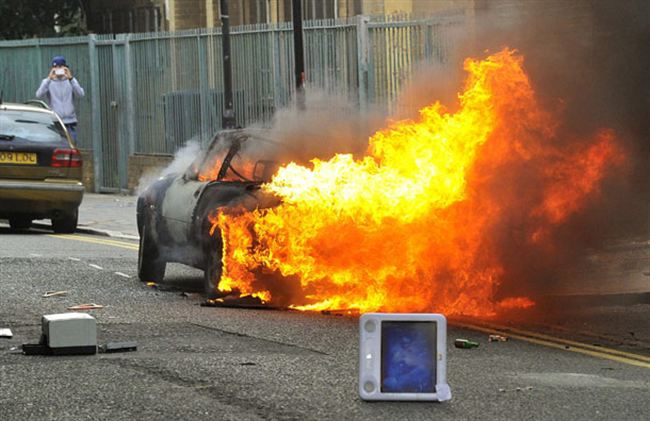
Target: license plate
column 19, row 158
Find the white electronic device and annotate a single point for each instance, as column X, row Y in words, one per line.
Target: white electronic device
column 403, row 357
column 70, row 333
column 59, row 72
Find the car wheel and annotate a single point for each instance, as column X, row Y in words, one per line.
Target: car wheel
column 66, row 223
column 212, row 273
column 19, row 223
column 151, row 268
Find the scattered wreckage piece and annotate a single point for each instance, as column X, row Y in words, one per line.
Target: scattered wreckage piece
column 88, row 306
column 237, row 301
column 65, row 334
column 49, row 294
column 497, row 338
column 6, row 333
column 113, row 347
column 72, row 334
column 516, row 389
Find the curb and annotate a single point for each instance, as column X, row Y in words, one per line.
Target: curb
column 94, row 231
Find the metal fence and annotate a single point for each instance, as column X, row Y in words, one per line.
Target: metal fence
column 150, row 93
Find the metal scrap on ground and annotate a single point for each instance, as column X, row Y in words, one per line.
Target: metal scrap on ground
column 118, row 347
column 6, row 333
column 497, row 338
column 89, row 306
column 236, row 301
column 54, row 293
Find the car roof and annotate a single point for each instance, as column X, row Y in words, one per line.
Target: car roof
column 10, row 106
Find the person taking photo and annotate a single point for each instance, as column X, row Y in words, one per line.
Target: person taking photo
column 58, row 90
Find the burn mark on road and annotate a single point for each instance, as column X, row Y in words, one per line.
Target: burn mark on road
column 227, row 332
column 224, row 393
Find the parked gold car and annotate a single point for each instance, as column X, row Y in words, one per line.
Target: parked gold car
column 40, row 169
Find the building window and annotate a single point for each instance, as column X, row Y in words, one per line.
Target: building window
column 318, row 9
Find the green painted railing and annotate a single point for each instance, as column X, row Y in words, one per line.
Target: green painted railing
column 150, row 93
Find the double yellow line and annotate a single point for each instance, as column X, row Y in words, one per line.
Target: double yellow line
column 93, row 240
column 559, row 343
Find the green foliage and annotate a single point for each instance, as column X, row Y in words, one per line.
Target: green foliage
column 40, row 18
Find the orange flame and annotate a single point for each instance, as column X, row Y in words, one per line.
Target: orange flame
column 515, row 302
column 407, row 227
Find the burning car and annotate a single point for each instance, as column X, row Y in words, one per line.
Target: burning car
column 173, row 213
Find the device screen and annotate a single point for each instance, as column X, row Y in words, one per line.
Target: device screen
column 408, row 357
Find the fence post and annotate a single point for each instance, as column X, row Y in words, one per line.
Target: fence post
column 362, row 59
column 275, row 58
column 98, row 171
column 118, row 95
column 130, row 108
column 204, row 90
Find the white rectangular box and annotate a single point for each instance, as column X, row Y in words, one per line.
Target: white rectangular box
column 70, row 331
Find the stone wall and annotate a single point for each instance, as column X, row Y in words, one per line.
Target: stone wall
column 145, row 169
column 87, row 175
column 141, row 168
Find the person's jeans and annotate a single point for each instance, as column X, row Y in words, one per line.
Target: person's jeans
column 72, row 129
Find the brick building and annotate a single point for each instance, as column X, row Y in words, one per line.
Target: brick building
column 121, row 16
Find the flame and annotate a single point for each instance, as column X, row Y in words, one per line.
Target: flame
column 407, row 228
column 516, row 302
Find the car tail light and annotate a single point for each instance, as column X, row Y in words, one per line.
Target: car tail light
column 66, row 158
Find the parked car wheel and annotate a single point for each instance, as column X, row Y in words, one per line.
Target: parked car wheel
column 65, row 223
column 20, row 223
column 151, row 268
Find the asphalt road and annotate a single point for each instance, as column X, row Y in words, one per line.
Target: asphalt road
column 197, row 362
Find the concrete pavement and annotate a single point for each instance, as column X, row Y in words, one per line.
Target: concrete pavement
column 110, row 215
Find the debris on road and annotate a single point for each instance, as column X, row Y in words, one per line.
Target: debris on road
column 465, row 344
column 112, row 347
column 49, row 294
column 89, row 306
column 65, row 334
column 497, row 338
column 236, row 301
column 152, row 285
column 6, row 333
column 516, row 389
column 340, row 313
column 36, row 349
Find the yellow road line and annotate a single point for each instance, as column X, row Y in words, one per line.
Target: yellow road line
column 74, row 237
column 574, row 343
column 563, row 344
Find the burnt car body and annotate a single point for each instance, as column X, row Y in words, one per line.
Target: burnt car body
column 40, row 168
column 173, row 213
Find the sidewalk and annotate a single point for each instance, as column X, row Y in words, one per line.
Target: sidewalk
column 106, row 214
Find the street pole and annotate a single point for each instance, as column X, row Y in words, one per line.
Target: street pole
column 299, row 54
column 228, row 119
